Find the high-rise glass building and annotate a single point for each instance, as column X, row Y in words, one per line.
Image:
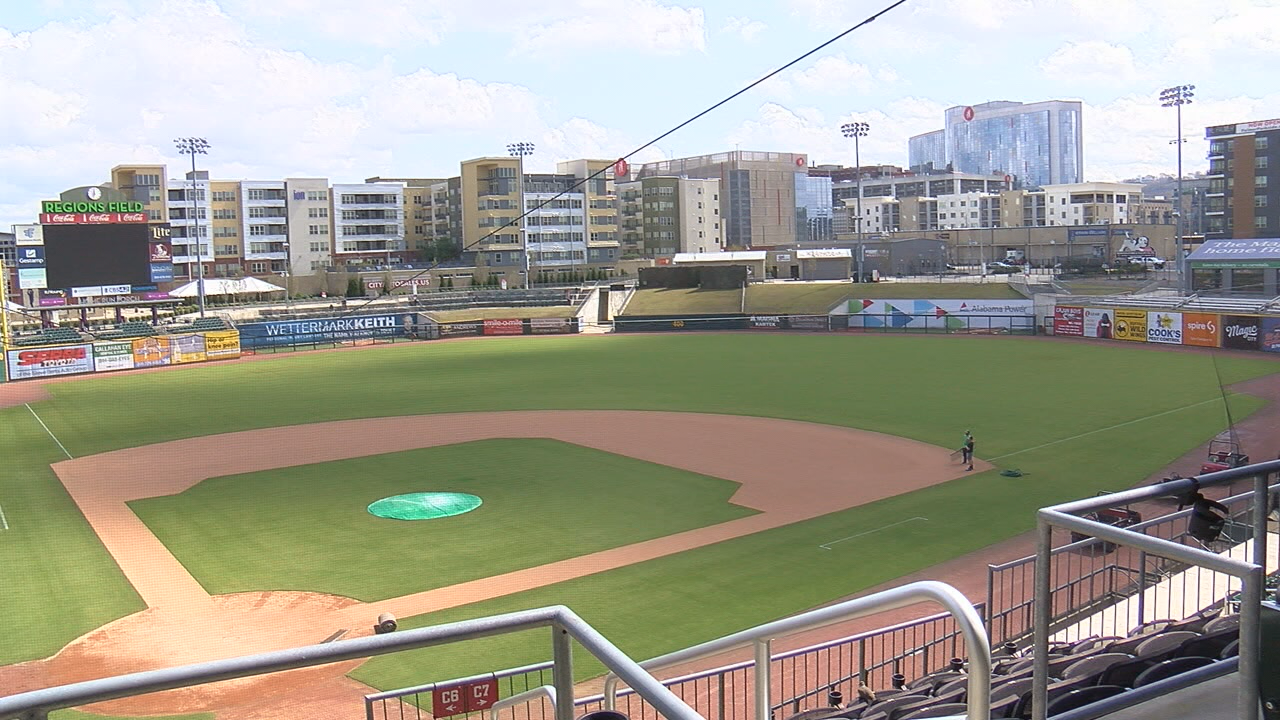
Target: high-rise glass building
column 814, row 212
column 1037, row 144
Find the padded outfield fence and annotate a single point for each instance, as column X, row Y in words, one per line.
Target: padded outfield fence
column 926, row 323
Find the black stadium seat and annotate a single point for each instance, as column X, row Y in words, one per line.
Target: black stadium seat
column 936, row 711
column 1094, row 664
column 1124, row 673
column 1208, row 645
column 1161, row 645
column 1169, row 668
column 1080, row 697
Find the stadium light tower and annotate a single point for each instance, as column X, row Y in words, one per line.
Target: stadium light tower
column 857, row 130
column 1175, row 97
column 519, row 150
column 194, row 146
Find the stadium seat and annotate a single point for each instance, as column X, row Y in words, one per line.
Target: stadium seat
column 882, row 710
column 1080, row 697
column 1226, row 622
column 1012, row 688
column 1124, row 673
column 1208, row 645
column 1161, row 645
column 1169, row 668
column 935, row 711
column 1094, row 643
column 1150, row 627
column 929, row 682
column 1231, row 650
column 1093, row 664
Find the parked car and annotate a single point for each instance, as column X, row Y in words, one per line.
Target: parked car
column 1000, row 267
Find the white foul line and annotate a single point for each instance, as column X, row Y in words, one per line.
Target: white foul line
column 827, row 546
column 4, row 524
column 46, row 429
column 1113, row 427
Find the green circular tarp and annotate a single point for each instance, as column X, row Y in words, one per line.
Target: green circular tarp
column 424, row 505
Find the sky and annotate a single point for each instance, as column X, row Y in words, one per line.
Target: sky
column 409, row 88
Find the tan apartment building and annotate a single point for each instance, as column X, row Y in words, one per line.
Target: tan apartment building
column 663, row 216
column 758, row 192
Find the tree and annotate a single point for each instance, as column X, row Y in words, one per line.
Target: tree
column 353, row 287
column 444, row 249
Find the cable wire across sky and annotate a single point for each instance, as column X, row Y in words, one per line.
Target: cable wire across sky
column 524, row 212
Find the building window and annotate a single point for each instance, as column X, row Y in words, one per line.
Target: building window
column 256, row 194
column 224, row 213
column 318, row 195
column 1260, row 162
column 318, row 247
column 258, row 230
column 1259, row 200
column 1260, row 181
column 224, row 196
column 318, row 212
column 318, row 230
column 1260, row 222
column 258, row 267
column 1259, row 143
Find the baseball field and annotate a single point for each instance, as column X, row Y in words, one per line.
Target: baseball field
column 147, row 502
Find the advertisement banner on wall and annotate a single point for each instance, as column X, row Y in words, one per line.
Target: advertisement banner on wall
column 1130, row 325
column 152, row 351
column 33, row 279
column 1270, row 334
column 332, row 329
column 765, row 322
column 955, row 314
column 1164, row 327
column 1240, row 332
column 50, row 361
column 550, row 326
column 819, row 323
column 1201, row 329
column 28, row 234
column 188, row 349
column 461, row 329
column 1068, row 321
column 504, row 326
column 1097, row 323
column 109, row 356
column 220, row 344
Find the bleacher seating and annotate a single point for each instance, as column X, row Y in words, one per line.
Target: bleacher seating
column 50, row 336
column 128, row 329
column 208, row 323
column 1081, row 672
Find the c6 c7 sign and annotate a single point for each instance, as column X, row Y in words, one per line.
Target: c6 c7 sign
column 49, row 361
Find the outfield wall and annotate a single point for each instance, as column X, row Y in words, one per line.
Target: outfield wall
column 1162, row 327
column 110, row 356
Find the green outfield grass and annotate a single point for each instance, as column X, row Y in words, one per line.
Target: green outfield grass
column 544, row 501
column 1078, row 418
column 661, row 301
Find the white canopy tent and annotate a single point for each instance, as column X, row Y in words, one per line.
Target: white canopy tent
column 226, row 286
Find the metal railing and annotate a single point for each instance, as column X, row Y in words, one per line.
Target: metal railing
column 563, row 623
column 761, row 638
column 1250, row 574
column 1101, row 576
column 514, row 688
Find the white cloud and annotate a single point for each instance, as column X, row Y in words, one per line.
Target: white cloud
column 834, row 74
column 621, row 25
column 394, row 23
column 747, row 28
column 1090, row 63
column 268, row 113
column 810, row 131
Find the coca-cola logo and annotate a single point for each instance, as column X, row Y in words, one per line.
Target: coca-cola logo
column 133, row 217
column 64, row 218
column 98, row 218
column 1242, row 332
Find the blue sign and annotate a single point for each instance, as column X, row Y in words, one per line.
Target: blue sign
column 30, row 256
column 333, row 329
column 161, row 272
column 144, row 288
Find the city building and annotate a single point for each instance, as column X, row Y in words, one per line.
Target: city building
column 368, row 224
column 310, row 225
column 145, row 184
column 1242, row 201
column 419, row 211
column 814, row 209
column 922, row 184
column 758, row 192
column 187, row 210
column 663, row 216
column 1074, row 204
column 1036, row 144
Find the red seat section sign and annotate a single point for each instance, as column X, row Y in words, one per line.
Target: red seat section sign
column 465, row 698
